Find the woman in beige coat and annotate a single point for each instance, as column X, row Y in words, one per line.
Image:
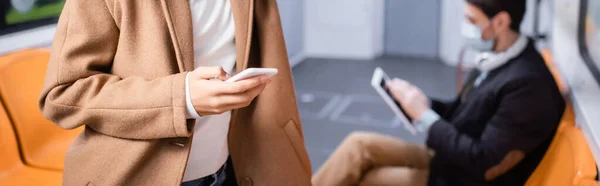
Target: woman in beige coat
column 118, row 68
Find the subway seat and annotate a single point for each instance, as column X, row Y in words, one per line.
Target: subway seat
column 569, row 160
column 12, row 170
column 42, row 144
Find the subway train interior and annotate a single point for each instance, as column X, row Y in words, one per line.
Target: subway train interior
column 333, row 48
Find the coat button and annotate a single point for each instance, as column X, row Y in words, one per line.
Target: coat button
column 247, row 182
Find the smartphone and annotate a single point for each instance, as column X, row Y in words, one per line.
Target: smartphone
column 253, row 72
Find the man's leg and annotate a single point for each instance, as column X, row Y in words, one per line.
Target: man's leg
column 362, row 151
column 397, row 176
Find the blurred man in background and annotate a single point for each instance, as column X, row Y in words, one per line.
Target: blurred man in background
column 494, row 133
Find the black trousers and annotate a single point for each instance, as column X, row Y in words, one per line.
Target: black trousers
column 225, row 176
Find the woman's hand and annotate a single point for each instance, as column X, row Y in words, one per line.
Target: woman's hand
column 211, row 97
column 412, row 99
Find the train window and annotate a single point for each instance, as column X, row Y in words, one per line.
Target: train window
column 17, row 15
column 589, row 35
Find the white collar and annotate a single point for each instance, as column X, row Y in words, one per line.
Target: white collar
column 488, row 61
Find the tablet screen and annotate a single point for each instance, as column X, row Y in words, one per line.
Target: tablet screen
column 384, row 87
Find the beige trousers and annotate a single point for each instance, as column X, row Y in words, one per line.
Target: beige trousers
column 374, row 159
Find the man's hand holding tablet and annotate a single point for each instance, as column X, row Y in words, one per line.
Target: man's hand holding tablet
column 412, row 99
column 407, row 101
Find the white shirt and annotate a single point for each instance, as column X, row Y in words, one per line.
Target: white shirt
column 214, row 33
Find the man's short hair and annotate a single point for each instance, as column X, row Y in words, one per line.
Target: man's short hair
column 515, row 8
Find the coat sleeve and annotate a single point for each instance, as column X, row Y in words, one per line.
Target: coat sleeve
column 527, row 115
column 80, row 89
column 441, row 107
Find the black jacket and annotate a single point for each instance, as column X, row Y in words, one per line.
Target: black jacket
column 517, row 107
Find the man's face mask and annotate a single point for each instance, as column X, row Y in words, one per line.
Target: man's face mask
column 473, row 37
column 478, row 38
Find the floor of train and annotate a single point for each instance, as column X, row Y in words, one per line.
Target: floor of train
column 335, row 98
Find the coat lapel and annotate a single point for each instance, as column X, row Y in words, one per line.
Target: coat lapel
column 243, row 14
column 179, row 21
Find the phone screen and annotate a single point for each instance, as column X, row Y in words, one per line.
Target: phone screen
column 383, row 85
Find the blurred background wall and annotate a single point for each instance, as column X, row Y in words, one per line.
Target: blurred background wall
column 412, row 27
column 292, row 20
column 349, row 29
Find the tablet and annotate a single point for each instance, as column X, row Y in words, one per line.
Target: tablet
column 379, row 82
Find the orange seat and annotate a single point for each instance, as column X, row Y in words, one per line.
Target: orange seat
column 42, row 143
column 12, row 169
column 569, row 160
